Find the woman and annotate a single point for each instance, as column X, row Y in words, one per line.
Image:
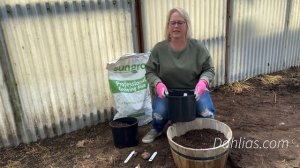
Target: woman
column 178, row 62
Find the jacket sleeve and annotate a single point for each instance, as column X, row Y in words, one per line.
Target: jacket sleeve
column 208, row 69
column 152, row 69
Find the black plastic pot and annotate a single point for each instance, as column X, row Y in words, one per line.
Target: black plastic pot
column 181, row 105
column 124, row 131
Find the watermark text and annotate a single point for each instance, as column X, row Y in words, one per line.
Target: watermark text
column 243, row 143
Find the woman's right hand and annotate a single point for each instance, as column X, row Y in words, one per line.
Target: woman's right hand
column 161, row 90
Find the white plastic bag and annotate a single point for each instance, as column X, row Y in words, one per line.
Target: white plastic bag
column 130, row 88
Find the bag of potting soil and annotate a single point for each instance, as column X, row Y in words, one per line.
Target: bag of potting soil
column 130, row 88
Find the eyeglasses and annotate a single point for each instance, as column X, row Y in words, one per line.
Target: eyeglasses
column 174, row 23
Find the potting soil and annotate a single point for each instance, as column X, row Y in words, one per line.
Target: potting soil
column 200, row 139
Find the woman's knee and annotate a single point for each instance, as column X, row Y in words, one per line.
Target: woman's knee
column 160, row 108
column 205, row 107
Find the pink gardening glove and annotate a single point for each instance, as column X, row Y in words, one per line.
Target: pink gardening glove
column 161, row 90
column 200, row 88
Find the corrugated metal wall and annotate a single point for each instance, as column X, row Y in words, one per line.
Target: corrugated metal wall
column 292, row 44
column 208, row 19
column 58, row 52
column 264, row 37
column 53, row 53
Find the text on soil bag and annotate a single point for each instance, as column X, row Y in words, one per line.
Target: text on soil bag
column 130, row 68
column 128, row 86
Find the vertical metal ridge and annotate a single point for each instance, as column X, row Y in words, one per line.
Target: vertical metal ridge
column 227, row 38
column 139, row 23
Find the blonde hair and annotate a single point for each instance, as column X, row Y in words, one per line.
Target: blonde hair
column 187, row 19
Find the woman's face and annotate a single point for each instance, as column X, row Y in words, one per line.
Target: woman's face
column 177, row 26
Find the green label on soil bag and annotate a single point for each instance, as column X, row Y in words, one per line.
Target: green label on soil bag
column 128, row 86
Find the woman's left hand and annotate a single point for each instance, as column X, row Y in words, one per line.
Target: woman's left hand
column 200, row 88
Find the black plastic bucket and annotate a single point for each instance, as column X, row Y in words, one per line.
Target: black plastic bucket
column 181, row 105
column 124, row 132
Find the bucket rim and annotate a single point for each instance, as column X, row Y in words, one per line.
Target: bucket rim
column 189, row 91
column 187, row 96
column 118, row 119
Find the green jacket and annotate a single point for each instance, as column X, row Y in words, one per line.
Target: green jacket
column 179, row 69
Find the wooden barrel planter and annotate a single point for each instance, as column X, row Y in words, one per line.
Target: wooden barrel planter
column 184, row 157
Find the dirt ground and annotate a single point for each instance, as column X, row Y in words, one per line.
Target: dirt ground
column 264, row 110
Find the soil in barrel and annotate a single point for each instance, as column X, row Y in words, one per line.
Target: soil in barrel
column 119, row 124
column 201, row 138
